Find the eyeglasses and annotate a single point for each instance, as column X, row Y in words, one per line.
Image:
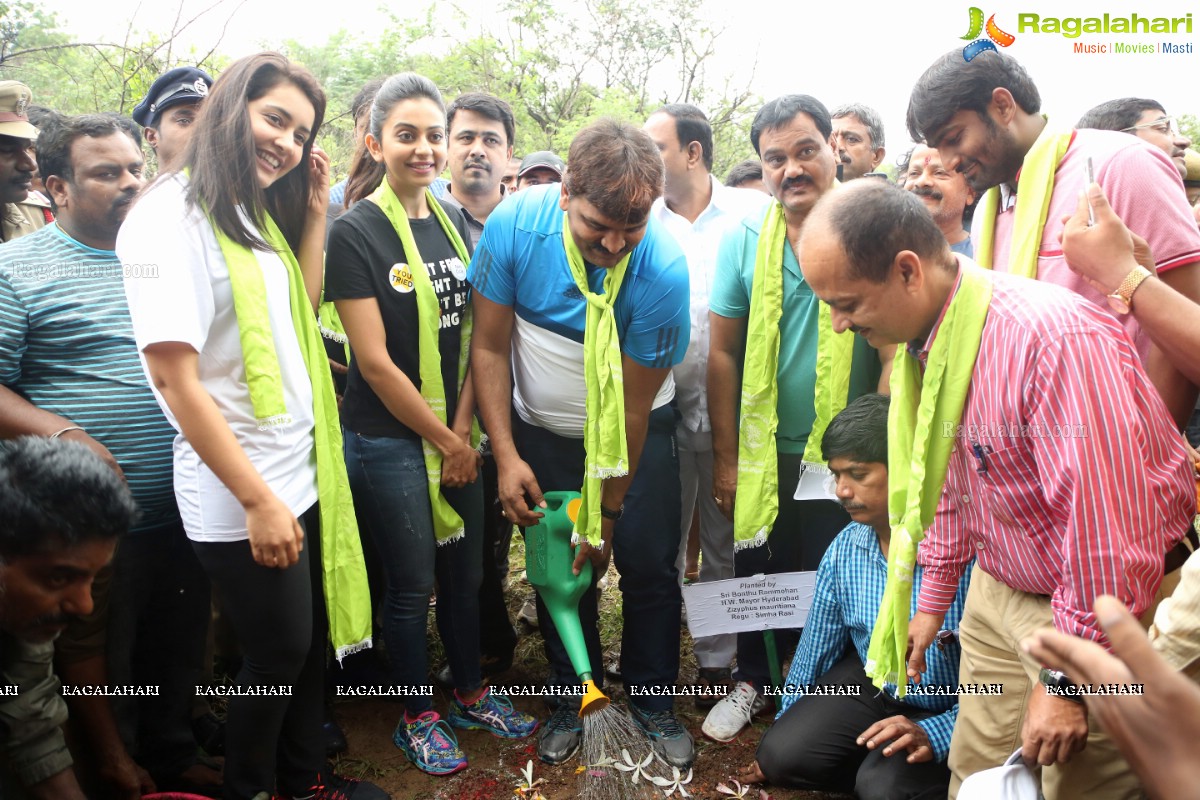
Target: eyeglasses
column 1164, row 125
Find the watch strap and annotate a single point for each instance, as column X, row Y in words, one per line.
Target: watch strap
column 1132, row 281
column 1053, row 679
column 608, row 513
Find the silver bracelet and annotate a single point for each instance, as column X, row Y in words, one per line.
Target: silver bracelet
column 57, row 434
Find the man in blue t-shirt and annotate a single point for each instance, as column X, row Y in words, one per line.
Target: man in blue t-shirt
column 528, row 366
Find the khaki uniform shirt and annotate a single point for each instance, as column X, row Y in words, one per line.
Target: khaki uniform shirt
column 22, row 219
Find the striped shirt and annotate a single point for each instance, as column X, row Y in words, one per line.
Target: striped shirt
column 1068, row 478
column 66, row 346
column 846, row 599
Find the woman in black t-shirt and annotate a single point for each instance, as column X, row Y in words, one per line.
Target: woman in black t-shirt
column 396, row 268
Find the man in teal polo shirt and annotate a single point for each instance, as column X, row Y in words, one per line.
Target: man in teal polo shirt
column 792, row 136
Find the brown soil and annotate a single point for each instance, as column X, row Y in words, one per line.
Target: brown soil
column 496, row 764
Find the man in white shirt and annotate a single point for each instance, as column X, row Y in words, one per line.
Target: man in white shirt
column 697, row 210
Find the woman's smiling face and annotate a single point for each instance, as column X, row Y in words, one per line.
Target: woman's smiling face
column 281, row 122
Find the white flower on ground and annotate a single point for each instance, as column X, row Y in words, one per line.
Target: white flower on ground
column 673, row 784
column 741, row 791
column 528, row 788
column 635, row 768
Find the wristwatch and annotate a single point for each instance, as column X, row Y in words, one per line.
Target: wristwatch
column 608, row 513
column 1062, row 685
column 1121, row 301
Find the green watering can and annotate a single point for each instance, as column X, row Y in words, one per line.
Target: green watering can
column 548, row 560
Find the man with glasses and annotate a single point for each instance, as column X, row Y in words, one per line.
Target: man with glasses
column 1146, row 120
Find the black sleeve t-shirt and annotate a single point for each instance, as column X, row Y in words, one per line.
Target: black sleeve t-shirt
column 366, row 259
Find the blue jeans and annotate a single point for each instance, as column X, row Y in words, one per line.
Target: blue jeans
column 391, row 491
column 645, row 542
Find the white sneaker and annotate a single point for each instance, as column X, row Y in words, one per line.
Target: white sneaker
column 733, row 713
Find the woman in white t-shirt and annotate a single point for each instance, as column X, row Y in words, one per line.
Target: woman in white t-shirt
column 225, row 327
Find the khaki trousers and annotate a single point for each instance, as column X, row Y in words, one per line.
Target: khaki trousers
column 996, row 619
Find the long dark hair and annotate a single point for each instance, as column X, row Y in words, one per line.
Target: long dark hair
column 220, row 154
column 367, row 173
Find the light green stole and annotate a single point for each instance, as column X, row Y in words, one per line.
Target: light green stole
column 344, row 573
column 607, row 451
column 757, row 503
column 447, row 524
column 1036, row 187
column 923, row 406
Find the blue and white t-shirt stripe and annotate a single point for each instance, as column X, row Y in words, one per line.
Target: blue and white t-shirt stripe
column 520, row 262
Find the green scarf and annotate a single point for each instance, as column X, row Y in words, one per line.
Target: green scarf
column 447, row 524
column 918, row 454
column 835, row 352
column 345, row 575
column 757, row 503
column 607, row 451
column 1036, row 186
column 331, row 324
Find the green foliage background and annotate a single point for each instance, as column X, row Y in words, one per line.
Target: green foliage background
column 559, row 70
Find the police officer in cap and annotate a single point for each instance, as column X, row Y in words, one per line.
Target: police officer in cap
column 168, row 111
column 17, row 166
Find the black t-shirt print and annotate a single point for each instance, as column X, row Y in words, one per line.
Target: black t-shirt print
column 366, row 259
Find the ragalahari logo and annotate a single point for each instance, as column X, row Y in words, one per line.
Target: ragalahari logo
column 995, row 36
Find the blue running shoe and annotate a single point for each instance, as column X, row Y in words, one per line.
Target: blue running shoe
column 430, row 744
column 493, row 713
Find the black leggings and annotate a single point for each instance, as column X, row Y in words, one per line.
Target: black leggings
column 281, row 634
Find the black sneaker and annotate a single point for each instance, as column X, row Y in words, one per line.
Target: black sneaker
column 339, row 787
column 670, row 739
column 209, row 730
column 335, row 738
column 612, row 663
column 561, row 734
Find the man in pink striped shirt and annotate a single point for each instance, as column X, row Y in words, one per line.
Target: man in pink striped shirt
column 984, row 118
column 1067, row 479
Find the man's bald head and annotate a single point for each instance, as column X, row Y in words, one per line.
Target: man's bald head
column 872, row 252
